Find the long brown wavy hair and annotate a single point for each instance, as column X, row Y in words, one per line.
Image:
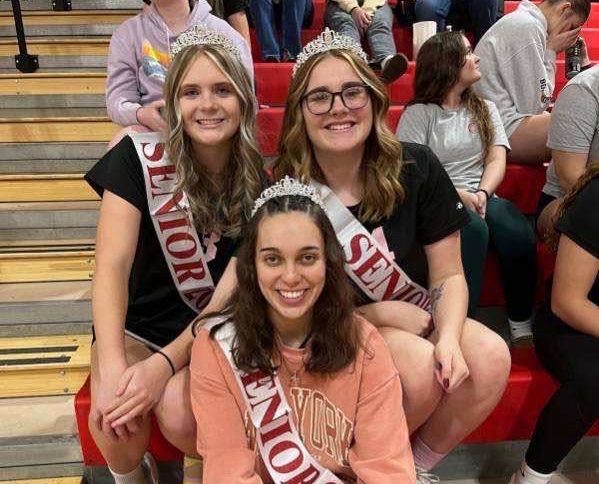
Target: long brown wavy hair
column 438, row 66
column 221, row 204
column 591, row 172
column 382, row 161
column 335, row 331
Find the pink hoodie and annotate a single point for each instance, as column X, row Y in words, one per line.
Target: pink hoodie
column 139, row 57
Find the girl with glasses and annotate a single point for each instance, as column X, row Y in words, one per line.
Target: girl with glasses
column 398, row 219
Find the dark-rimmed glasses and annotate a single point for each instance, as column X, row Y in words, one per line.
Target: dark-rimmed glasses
column 352, row 97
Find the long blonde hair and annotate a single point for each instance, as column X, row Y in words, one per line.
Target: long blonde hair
column 591, row 172
column 382, row 160
column 222, row 204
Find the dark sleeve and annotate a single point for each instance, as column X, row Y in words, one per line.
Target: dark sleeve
column 119, row 171
column 440, row 210
column 580, row 222
column 234, row 6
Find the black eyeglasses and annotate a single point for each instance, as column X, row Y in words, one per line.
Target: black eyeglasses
column 352, row 97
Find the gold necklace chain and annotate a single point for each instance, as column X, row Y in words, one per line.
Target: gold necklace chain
column 294, row 377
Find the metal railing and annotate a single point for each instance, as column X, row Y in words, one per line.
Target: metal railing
column 24, row 61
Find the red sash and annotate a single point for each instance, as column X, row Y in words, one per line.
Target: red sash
column 369, row 265
column 173, row 223
column 281, row 448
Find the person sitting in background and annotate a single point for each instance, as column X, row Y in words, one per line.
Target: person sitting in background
column 290, row 15
column 480, row 14
column 139, row 57
column 574, row 141
column 566, row 334
column 233, row 11
column 466, row 134
column 289, row 339
column 517, row 61
column 372, row 19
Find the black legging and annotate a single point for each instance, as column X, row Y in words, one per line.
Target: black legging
column 573, row 358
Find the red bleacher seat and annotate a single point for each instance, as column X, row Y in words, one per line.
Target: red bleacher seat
column 160, row 448
column 529, row 388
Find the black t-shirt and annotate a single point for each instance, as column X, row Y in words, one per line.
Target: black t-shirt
column 155, row 310
column 431, row 211
column 581, row 224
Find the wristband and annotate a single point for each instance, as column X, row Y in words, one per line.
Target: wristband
column 170, row 363
column 484, row 191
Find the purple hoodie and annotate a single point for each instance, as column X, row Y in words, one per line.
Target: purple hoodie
column 139, row 57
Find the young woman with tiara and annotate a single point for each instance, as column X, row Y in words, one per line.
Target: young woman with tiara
column 288, row 383
column 170, row 218
column 466, row 134
column 398, row 218
column 566, row 332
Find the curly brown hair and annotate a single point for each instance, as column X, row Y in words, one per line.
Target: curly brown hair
column 335, row 331
column 438, row 66
column 221, row 204
column 382, row 161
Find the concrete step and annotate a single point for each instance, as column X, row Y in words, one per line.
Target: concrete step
column 74, row 22
column 54, row 101
column 47, row 157
column 76, row 5
column 43, row 215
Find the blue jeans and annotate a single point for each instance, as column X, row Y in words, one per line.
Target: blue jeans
column 379, row 33
column 293, row 13
column 482, row 13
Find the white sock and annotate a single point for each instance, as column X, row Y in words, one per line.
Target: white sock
column 136, row 476
column 526, row 475
column 520, row 329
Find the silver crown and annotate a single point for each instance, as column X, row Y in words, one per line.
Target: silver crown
column 288, row 187
column 328, row 40
column 201, row 34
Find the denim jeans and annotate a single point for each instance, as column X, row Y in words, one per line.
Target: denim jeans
column 293, row 13
column 482, row 13
column 379, row 33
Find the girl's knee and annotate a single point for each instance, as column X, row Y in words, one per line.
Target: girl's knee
column 488, row 357
column 173, row 411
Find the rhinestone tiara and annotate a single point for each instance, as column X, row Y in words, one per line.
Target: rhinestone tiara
column 328, row 40
column 288, row 187
column 201, row 34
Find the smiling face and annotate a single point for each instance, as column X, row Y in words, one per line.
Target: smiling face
column 341, row 130
column 470, row 73
column 290, row 266
column 209, row 106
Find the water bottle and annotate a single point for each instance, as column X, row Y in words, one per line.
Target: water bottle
column 574, row 59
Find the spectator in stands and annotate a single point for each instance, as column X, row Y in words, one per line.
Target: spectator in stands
column 157, row 266
column 372, row 19
column 138, row 60
column 574, row 141
column 517, row 61
column 398, row 218
column 291, row 321
column 480, row 14
column 567, row 334
column 466, row 134
column 233, row 11
column 290, row 15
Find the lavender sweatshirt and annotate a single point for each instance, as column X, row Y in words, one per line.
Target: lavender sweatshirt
column 139, row 57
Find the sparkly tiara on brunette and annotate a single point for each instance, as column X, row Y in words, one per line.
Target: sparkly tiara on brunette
column 328, row 40
column 201, row 34
column 288, row 187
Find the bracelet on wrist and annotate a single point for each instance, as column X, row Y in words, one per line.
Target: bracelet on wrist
column 170, row 363
column 484, row 191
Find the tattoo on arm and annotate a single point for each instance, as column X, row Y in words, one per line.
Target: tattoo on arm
column 435, row 295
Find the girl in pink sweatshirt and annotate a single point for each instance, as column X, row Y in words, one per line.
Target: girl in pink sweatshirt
column 288, row 384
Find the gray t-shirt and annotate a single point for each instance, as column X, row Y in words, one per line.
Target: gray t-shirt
column 575, row 123
column 518, row 71
column 453, row 137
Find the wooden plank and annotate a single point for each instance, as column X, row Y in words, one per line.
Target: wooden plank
column 74, row 17
column 23, row 417
column 68, row 46
column 61, row 131
column 44, row 189
column 53, row 83
column 49, row 480
column 45, row 291
column 46, row 267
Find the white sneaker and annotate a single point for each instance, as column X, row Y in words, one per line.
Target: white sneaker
column 520, row 330
column 526, row 475
column 426, row 477
column 148, row 464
